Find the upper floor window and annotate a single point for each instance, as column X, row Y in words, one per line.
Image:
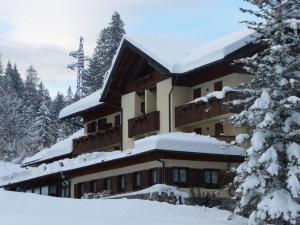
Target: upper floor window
column 179, row 175
column 197, row 93
column 117, row 120
column 198, row 130
column 143, row 109
column 218, row 86
column 219, row 130
column 102, row 123
column 91, row 127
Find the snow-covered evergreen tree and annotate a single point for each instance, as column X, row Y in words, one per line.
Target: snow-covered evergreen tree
column 1, row 67
column 17, row 82
column 43, row 125
column 107, row 44
column 268, row 182
column 31, row 99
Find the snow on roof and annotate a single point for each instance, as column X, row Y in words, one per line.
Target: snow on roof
column 214, row 94
column 83, row 104
column 181, row 56
column 62, row 147
column 9, row 168
column 185, row 142
column 181, row 142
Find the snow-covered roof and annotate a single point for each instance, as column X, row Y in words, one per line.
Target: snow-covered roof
column 83, row 104
column 9, row 168
column 180, row 142
column 179, row 56
column 62, row 147
column 214, row 94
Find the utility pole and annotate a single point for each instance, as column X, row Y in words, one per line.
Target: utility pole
column 79, row 66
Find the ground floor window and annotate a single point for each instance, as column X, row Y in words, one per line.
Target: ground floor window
column 153, row 176
column 94, row 186
column 52, row 190
column 37, row 190
column 45, row 190
column 137, row 181
column 80, row 190
column 211, row 178
column 65, row 188
column 107, row 184
column 179, row 175
column 121, row 182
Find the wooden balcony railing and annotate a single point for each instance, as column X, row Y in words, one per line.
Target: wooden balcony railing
column 97, row 140
column 143, row 124
column 227, row 139
column 193, row 112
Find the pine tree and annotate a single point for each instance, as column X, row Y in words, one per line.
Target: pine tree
column 1, row 67
column 17, row 82
column 58, row 104
column 43, row 127
column 268, row 182
column 31, row 99
column 107, row 45
column 7, row 79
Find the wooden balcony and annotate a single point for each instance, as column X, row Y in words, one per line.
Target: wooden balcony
column 96, row 141
column 194, row 112
column 227, row 139
column 143, row 124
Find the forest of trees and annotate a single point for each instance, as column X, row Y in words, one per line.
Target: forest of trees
column 29, row 116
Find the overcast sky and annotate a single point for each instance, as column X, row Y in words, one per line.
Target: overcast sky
column 42, row 32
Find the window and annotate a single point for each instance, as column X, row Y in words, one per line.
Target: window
column 197, row 93
column 121, row 182
column 107, row 184
column 211, row 178
column 198, row 130
column 218, row 86
column 143, row 107
column 153, row 176
column 80, row 190
column 37, row 190
column 137, row 180
column 65, row 188
column 218, row 129
column 91, row 127
column 45, row 190
column 102, row 124
column 179, row 175
column 117, row 120
column 52, row 190
column 93, row 186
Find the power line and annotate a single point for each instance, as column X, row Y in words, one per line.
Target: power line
column 32, row 46
column 41, row 27
column 34, row 61
column 38, row 26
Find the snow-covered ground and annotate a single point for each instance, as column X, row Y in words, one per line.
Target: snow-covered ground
column 31, row 209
